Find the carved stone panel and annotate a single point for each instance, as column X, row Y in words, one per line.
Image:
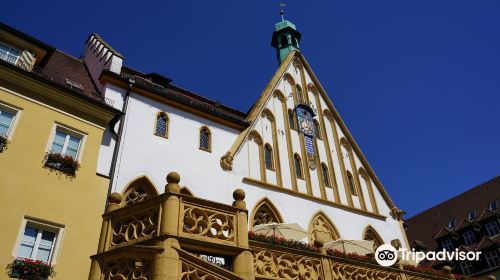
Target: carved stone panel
column 265, row 213
column 139, row 225
column 277, row 265
column 127, row 268
column 208, row 223
column 352, row 272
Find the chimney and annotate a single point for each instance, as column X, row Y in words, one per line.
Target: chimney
column 99, row 56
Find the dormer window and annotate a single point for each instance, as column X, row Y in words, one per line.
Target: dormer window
column 447, row 245
column 9, row 54
column 452, row 223
column 472, row 215
column 493, row 205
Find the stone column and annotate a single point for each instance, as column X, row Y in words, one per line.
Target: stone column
column 325, row 262
column 167, row 265
column 243, row 262
column 170, row 205
column 95, row 268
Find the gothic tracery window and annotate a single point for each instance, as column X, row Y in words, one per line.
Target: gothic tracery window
column 372, row 235
column 161, row 125
column 321, row 229
column 268, row 157
column 298, row 166
column 300, row 97
column 350, row 181
column 317, row 131
column 324, row 173
column 265, row 213
column 139, row 190
column 291, row 119
column 205, row 139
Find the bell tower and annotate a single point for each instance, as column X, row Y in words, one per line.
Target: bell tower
column 286, row 38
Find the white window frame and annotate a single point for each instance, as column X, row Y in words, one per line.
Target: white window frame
column 491, row 256
column 68, row 131
column 493, row 205
column 452, row 223
column 489, row 226
column 42, row 225
column 469, row 237
column 17, row 114
column 445, row 243
column 468, row 266
column 472, row 215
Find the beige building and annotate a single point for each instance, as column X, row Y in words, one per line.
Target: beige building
column 51, row 122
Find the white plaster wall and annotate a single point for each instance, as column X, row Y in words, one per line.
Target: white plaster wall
column 143, row 153
column 108, row 141
column 116, row 94
column 106, row 150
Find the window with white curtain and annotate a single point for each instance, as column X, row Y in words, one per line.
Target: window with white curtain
column 66, row 143
column 39, row 241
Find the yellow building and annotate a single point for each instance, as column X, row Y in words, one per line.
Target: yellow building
column 52, row 121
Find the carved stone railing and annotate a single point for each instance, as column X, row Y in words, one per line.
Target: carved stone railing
column 206, row 220
column 275, row 262
column 175, row 236
column 350, row 271
column 159, row 225
column 134, row 223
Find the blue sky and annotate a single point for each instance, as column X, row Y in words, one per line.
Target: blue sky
column 417, row 82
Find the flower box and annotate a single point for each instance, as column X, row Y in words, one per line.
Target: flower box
column 280, row 241
column 30, row 269
column 4, row 142
column 63, row 163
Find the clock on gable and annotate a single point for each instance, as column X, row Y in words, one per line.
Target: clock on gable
column 306, row 125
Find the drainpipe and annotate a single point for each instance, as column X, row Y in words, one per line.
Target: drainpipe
column 118, row 135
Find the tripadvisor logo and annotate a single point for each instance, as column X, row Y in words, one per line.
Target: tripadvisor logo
column 387, row 255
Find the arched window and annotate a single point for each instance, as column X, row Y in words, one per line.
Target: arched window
column 323, row 229
column 372, row 235
column 299, row 94
column 265, row 213
column 205, row 139
column 324, row 173
column 317, row 131
column 139, row 190
column 298, row 166
column 268, row 156
column 161, row 125
column 350, row 181
column 291, row 119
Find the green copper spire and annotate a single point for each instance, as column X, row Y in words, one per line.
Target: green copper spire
column 286, row 38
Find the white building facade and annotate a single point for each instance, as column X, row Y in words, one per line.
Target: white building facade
column 291, row 153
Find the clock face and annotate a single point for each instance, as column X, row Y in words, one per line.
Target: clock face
column 306, row 126
column 305, row 120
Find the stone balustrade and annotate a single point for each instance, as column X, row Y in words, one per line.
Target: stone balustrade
column 174, row 236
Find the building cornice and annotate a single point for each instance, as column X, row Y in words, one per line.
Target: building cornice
column 312, row 198
column 178, row 101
